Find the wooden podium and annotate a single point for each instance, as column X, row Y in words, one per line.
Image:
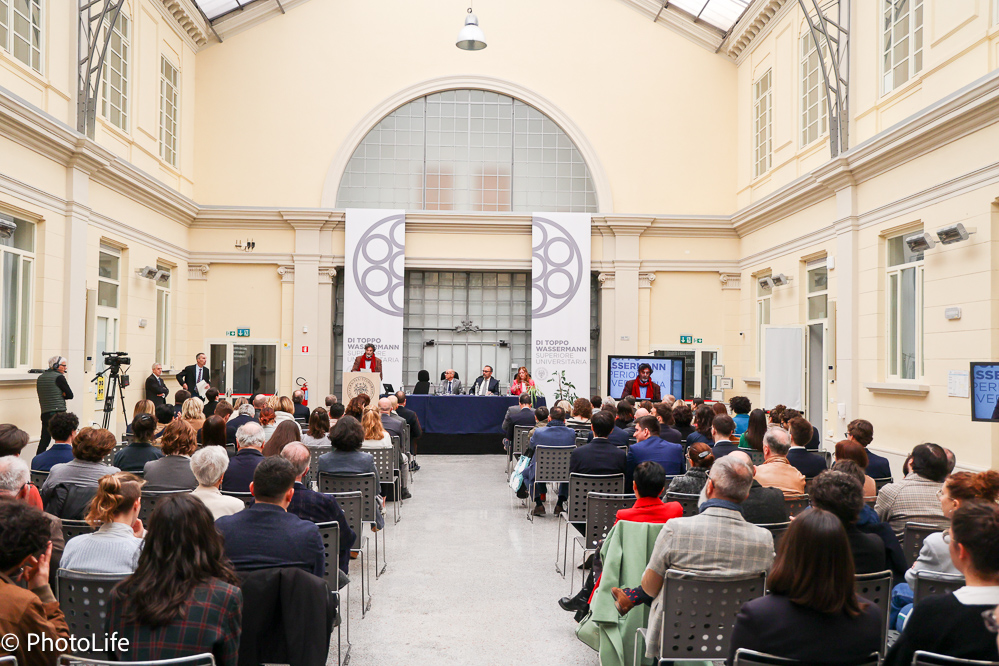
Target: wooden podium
column 356, row 383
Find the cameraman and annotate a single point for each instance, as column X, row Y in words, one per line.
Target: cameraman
column 53, row 392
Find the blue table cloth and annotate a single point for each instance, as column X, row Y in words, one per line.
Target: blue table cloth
column 462, row 414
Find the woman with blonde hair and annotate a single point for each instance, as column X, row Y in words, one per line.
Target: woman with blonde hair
column 115, row 546
column 522, row 382
column 285, row 411
column 375, row 435
column 193, row 413
column 141, row 407
column 173, row 472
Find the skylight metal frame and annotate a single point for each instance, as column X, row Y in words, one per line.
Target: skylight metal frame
column 93, row 47
column 834, row 63
column 700, row 12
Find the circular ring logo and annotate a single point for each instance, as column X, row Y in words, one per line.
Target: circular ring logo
column 379, row 262
column 557, row 267
column 357, row 386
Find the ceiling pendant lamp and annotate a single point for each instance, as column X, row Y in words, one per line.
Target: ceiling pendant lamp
column 471, row 37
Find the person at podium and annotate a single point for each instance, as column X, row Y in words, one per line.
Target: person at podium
column 486, row 384
column 450, row 385
column 368, row 362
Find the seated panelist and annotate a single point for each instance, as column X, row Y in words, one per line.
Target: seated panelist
column 450, row 385
column 486, row 384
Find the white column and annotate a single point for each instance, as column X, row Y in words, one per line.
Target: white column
column 847, row 303
column 308, row 304
column 607, row 328
column 74, row 304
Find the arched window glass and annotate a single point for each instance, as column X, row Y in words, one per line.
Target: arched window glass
column 467, row 150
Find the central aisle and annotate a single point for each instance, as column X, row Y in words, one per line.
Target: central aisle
column 470, row 581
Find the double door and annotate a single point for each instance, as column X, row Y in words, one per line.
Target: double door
column 244, row 368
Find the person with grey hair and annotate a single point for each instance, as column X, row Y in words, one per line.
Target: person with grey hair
column 763, row 505
column 776, row 471
column 14, row 479
column 331, row 400
column 53, row 392
column 156, row 390
column 246, row 414
column 302, row 411
column 307, row 504
column 718, row 540
column 250, row 441
column 209, row 466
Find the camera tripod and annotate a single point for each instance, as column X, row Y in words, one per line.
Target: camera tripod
column 114, row 386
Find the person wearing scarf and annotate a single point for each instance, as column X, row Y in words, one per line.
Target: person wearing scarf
column 642, row 387
column 368, row 362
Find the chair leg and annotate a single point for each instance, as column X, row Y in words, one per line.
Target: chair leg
column 558, row 539
column 379, row 572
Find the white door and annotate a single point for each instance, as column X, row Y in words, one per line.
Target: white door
column 244, row 368
column 783, row 378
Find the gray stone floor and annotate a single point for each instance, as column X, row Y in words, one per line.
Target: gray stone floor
column 470, row 580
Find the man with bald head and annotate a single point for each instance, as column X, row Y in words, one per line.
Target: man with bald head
column 450, row 385
column 764, row 505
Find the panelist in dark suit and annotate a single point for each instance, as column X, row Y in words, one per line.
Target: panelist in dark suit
column 485, row 384
column 264, row 535
column 642, row 387
column 809, row 464
column 192, row 374
column 156, row 390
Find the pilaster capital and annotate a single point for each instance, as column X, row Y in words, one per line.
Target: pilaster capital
column 606, row 280
column 730, row 280
column 327, row 274
column 287, row 274
column 197, row 271
column 645, row 280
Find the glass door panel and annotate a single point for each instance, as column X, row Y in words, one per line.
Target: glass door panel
column 254, row 369
column 218, row 365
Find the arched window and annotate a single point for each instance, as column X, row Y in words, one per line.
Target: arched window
column 467, row 150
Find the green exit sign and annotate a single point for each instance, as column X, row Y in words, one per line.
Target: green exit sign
column 689, row 340
column 231, row 334
column 242, row 332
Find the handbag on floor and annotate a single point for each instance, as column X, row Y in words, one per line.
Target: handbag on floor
column 517, row 476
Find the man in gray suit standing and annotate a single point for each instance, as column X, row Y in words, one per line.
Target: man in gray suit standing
column 450, row 385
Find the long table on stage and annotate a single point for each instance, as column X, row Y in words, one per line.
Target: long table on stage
column 462, row 423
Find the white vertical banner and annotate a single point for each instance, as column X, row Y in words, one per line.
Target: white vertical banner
column 560, row 302
column 374, row 286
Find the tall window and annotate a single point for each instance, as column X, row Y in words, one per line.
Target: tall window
column 904, row 282
column 762, row 319
column 115, row 75
column 163, row 318
column 762, row 118
column 169, row 85
column 902, row 39
column 813, row 91
column 108, row 292
column 17, row 259
column 467, row 150
column 818, row 285
column 21, row 30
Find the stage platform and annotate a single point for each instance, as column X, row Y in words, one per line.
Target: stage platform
column 462, row 424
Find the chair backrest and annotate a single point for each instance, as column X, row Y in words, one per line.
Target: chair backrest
column 407, row 440
column 601, row 512
column 756, row 456
column 38, row 477
column 551, row 464
column 913, row 537
column 149, row 500
column 744, row 657
column 346, row 483
column 876, row 588
column 245, row 498
column 582, row 431
column 699, row 612
column 795, row 504
column 396, row 453
column 109, row 457
column 687, row 500
column 929, row 583
column 921, row 658
column 315, row 452
column 580, row 440
column 881, row 483
column 384, row 463
column 777, row 530
column 206, row 659
column 582, row 484
column 84, row 598
column 520, row 440
column 808, row 484
column 230, row 448
column 352, row 504
column 632, row 441
column 72, row 528
column 330, row 534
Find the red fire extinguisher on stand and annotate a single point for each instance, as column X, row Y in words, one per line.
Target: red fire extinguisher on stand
column 304, row 385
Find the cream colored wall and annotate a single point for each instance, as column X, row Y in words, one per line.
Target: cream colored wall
column 659, row 150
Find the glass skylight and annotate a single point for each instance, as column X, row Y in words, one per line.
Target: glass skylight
column 722, row 14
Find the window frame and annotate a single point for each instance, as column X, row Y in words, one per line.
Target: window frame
column 893, row 347
column 913, row 55
column 124, row 112
column 164, row 317
column 36, row 52
column 175, row 117
column 804, row 71
column 763, row 304
column 763, row 129
column 23, row 348
column 816, row 293
column 116, row 281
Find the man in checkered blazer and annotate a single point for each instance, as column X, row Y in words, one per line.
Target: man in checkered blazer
column 914, row 498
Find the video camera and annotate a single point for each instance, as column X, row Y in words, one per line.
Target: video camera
column 115, row 360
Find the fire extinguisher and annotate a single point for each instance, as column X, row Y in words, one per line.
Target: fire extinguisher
column 304, row 385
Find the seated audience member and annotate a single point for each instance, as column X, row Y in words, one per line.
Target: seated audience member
column 809, row 464
column 848, row 449
column 318, row 433
column 914, row 498
column 140, row 450
column 718, row 540
column 422, row 386
column 301, row 410
column 208, row 466
column 330, row 401
column 393, row 424
column 763, row 506
column 284, row 410
column 812, row 613
column 841, row 495
column 15, row 484
column 357, row 405
column 740, row 406
column 268, row 420
column 211, row 402
column 554, row 434
column 184, row 598
column 213, row 433
column 664, row 414
column 862, row 432
column 336, row 411
column 647, row 484
column 244, row 415
column 596, row 401
column 722, row 430
column 193, row 413
column 869, row 523
column 618, row 436
column 682, row 417
column 696, row 476
column 791, row 414
column 625, row 416
column 582, row 410
column 776, row 415
column 223, row 410
column 12, row 440
column 719, row 409
column 541, row 417
column 259, row 401
column 141, row 407
column 316, row 507
column 521, row 414
column 375, row 435
column 86, row 468
column 179, row 398
column 649, row 446
column 164, row 417
column 957, row 490
column 264, row 535
column 952, row 624
column 172, row 472
column 776, row 471
column 115, row 546
column 598, row 456
column 347, row 437
column 62, row 427
column 756, row 428
column 704, row 417
column 250, row 442
column 25, row 558
column 286, row 432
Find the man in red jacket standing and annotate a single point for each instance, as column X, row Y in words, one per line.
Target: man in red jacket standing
column 367, row 361
column 649, row 482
